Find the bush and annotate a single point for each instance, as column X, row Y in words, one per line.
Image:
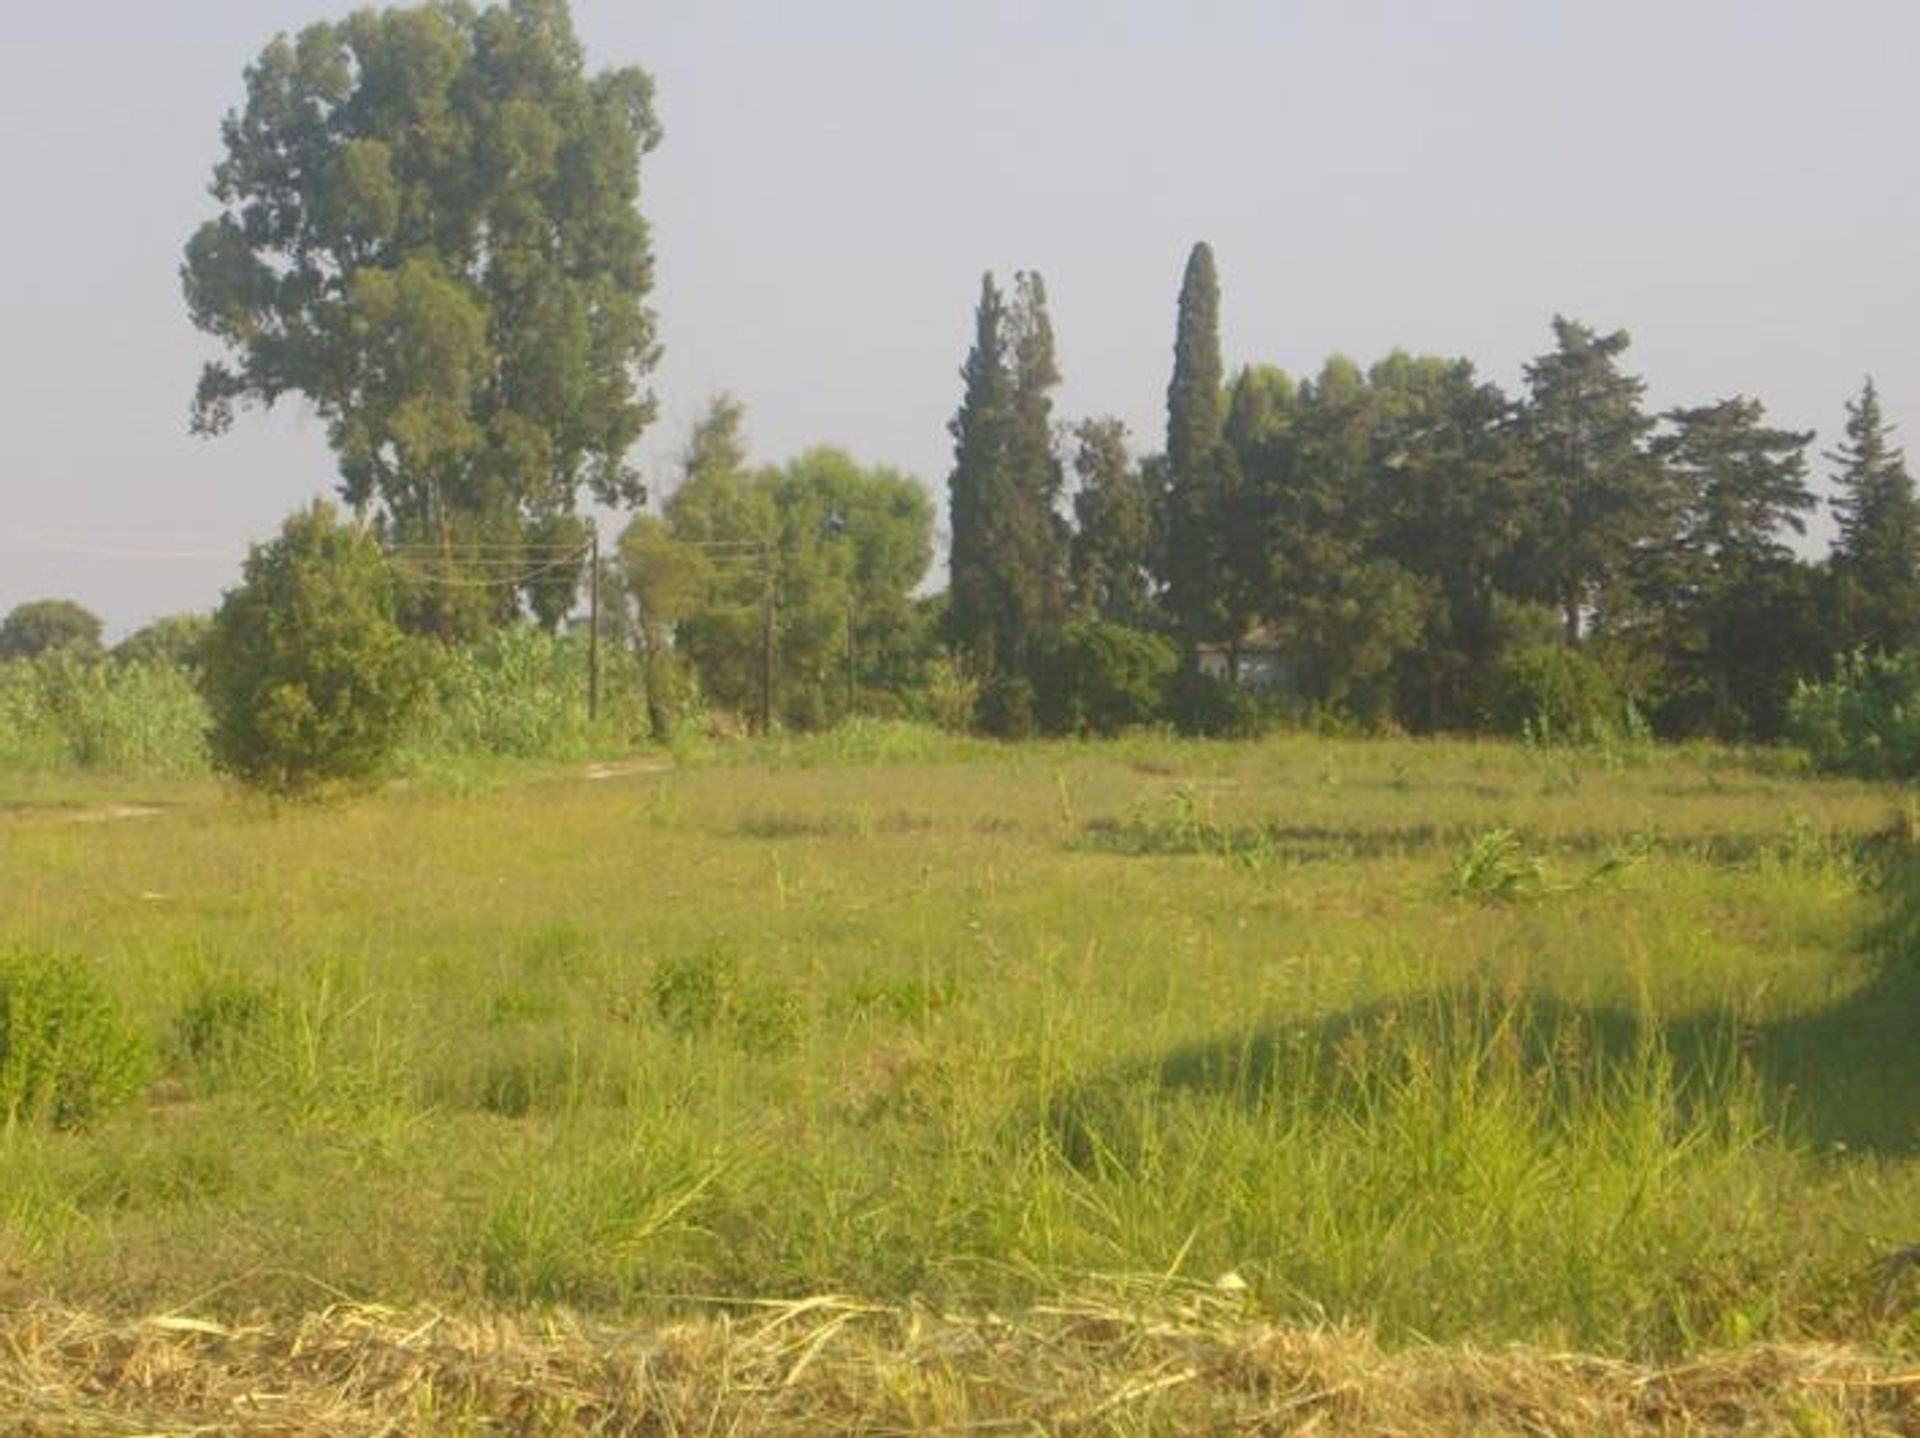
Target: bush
column 1213, row 708
column 310, row 680
column 1006, row 708
column 1554, row 694
column 1865, row 720
column 1099, row 678
column 65, row 1054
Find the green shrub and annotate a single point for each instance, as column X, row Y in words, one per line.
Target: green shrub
column 1553, row 694
column 1211, row 708
column 1099, row 678
column 310, row 680
column 1006, row 708
column 1865, row 720
column 66, row 1056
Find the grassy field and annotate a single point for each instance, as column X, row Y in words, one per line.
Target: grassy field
column 1443, row 1042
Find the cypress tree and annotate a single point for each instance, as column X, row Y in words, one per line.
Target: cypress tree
column 1031, row 549
column 980, row 435
column 1193, row 543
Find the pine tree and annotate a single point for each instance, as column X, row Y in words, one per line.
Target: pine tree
column 1193, row 501
column 1596, row 496
column 1877, row 556
column 1725, row 583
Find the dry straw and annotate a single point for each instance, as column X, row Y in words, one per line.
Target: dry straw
column 1159, row 1362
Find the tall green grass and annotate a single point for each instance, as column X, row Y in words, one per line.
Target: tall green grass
column 992, row 1025
column 61, row 713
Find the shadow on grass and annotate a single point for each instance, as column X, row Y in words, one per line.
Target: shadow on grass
column 1316, row 843
column 1843, row 1077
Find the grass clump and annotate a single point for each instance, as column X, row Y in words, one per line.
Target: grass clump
column 66, row 1054
column 702, row 994
column 1496, row 867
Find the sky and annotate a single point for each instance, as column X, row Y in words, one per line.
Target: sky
column 1734, row 182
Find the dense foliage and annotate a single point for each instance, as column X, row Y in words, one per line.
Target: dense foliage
column 310, row 680
column 61, row 712
column 1406, row 545
column 429, row 229
column 44, row 626
column 1866, row 719
column 66, row 1054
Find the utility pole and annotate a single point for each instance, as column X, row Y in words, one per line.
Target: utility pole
column 850, row 686
column 593, row 623
column 766, row 643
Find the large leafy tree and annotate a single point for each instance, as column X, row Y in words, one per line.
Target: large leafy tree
column 1877, row 556
column 1343, row 608
column 47, row 626
column 1447, row 478
column 805, row 575
column 429, row 229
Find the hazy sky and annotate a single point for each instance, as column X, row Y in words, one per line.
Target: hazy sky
column 1736, row 182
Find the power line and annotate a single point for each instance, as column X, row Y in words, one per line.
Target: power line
column 43, row 543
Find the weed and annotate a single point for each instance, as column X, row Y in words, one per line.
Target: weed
column 66, row 1054
column 1497, row 867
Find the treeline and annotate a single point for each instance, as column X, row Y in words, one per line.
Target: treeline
column 1407, row 544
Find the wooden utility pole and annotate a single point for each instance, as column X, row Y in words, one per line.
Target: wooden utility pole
column 593, row 623
column 766, row 644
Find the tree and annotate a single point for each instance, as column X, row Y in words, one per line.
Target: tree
column 1876, row 558
column 661, row 581
column 812, row 569
column 1595, row 496
column 1029, row 536
column 719, row 508
column 980, row 430
column 1192, row 499
column 1009, row 541
column 429, row 229
column 48, row 626
column 855, row 541
column 1718, row 590
column 311, row 681
column 1448, row 477
column 1247, row 513
column 176, row 640
column 1097, row 677
column 1113, row 531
